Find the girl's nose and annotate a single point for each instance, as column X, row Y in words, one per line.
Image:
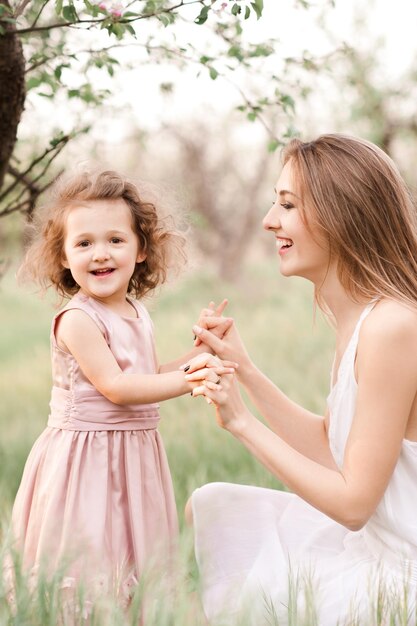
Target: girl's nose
column 271, row 220
column 101, row 253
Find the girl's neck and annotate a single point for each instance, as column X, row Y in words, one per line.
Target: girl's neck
column 122, row 307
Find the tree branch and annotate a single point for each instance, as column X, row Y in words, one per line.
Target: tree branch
column 20, row 177
column 21, row 7
column 40, row 12
column 33, row 28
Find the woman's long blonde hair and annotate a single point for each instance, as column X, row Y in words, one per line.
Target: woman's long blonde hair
column 163, row 244
column 352, row 191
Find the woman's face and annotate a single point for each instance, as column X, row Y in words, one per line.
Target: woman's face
column 303, row 250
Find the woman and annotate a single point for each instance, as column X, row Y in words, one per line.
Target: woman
column 343, row 545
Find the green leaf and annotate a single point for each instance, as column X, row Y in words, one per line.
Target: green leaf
column 56, row 140
column 235, row 51
column 287, row 102
column 291, row 132
column 58, row 7
column 273, row 145
column 213, row 73
column 116, row 29
column 247, row 13
column 4, row 10
column 69, row 14
column 130, row 29
column 203, row 15
column 33, row 82
column 252, row 116
column 261, row 50
column 166, row 18
column 236, row 9
column 258, row 7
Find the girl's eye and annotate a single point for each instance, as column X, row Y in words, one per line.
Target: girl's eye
column 115, row 240
column 84, row 244
column 287, row 205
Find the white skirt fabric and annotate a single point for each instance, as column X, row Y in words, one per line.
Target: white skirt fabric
column 267, row 557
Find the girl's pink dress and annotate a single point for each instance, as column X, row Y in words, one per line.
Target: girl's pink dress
column 96, row 493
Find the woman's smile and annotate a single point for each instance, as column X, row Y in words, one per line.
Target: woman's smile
column 284, row 245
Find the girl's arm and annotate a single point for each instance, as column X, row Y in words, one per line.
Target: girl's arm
column 302, row 429
column 78, row 334
column 387, row 384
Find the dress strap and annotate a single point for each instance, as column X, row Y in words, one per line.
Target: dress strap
column 362, row 317
column 350, row 351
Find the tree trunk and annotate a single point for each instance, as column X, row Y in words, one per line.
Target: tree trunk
column 12, row 91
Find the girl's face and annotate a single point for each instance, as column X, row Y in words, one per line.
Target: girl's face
column 101, row 249
column 303, row 251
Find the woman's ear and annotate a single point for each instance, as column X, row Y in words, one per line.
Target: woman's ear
column 141, row 257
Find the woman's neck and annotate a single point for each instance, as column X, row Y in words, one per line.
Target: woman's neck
column 344, row 309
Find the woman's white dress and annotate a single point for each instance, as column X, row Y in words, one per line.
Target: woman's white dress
column 267, row 557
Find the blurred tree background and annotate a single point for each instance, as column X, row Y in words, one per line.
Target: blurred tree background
column 193, row 96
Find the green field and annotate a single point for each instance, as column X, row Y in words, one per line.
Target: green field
column 276, row 319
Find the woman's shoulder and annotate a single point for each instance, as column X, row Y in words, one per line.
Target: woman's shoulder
column 391, row 323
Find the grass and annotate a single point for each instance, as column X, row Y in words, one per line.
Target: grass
column 275, row 318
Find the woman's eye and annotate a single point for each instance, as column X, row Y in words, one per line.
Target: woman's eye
column 287, row 205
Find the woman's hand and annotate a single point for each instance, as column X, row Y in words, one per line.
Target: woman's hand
column 230, row 347
column 231, row 412
column 219, row 323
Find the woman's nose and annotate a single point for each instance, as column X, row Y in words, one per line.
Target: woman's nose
column 271, row 220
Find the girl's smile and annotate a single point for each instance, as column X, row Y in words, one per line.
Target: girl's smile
column 101, row 249
column 100, row 273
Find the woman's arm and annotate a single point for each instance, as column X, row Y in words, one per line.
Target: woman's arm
column 301, row 429
column 78, row 334
column 387, row 384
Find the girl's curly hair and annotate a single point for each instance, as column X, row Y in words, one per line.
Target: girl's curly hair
column 164, row 246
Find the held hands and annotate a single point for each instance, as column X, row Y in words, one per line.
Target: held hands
column 206, row 370
column 228, row 346
column 215, row 381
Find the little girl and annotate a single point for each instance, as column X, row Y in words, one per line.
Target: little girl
column 342, row 547
column 96, row 494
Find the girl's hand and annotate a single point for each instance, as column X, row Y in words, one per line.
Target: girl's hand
column 206, row 369
column 220, row 326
